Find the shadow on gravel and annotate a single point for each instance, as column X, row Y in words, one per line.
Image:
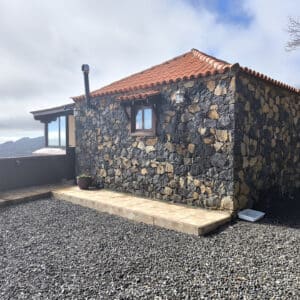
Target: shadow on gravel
column 281, row 209
column 221, row 228
column 282, row 218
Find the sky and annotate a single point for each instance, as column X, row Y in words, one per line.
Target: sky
column 44, row 43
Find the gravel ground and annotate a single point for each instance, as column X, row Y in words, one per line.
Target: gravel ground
column 56, row 250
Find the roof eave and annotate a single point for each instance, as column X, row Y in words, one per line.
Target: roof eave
column 270, row 80
column 42, row 114
column 98, row 93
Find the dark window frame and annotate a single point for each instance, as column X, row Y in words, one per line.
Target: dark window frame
column 142, row 132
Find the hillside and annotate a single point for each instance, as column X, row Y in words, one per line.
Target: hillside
column 22, row 147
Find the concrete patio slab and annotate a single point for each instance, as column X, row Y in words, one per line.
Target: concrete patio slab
column 171, row 216
column 28, row 194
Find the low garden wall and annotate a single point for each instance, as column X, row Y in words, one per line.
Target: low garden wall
column 36, row 170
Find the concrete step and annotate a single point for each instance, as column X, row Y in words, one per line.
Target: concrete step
column 22, row 195
column 167, row 215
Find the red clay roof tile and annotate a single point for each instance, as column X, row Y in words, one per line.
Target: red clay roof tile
column 186, row 66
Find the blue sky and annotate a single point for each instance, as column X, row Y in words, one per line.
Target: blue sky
column 226, row 11
column 44, row 43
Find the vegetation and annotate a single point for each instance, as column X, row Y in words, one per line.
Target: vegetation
column 294, row 32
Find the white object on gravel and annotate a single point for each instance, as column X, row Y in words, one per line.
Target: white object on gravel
column 250, row 215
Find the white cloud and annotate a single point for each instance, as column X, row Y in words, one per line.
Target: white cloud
column 261, row 46
column 43, row 45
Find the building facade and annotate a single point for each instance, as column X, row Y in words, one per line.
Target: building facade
column 193, row 130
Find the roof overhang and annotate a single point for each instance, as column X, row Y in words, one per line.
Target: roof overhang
column 137, row 96
column 50, row 114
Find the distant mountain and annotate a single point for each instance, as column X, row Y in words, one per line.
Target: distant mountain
column 22, row 147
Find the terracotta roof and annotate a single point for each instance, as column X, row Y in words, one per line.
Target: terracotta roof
column 189, row 65
column 138, row 95
column 186, row 66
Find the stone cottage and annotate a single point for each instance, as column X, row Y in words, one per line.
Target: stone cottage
column 194, row 130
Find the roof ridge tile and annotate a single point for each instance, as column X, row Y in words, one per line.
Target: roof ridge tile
column 215, row 62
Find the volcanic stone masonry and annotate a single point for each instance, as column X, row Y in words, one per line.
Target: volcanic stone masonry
column 233, row 136
column 267, row 140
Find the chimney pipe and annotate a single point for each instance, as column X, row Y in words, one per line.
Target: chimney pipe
column 86, row 69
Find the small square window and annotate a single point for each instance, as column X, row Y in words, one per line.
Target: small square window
column 143, row 121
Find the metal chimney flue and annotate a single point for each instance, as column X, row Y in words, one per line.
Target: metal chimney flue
column 86, row 69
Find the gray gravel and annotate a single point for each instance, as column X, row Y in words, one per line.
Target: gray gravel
column 56, row 250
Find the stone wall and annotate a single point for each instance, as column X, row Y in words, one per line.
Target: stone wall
column 267, row 139
column 190, row 160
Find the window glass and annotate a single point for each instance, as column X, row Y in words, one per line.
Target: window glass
column 53, row 133
column 147, row 118
column 57, row 132
column 63, row 131
column 139, row 120
column 143, row 119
